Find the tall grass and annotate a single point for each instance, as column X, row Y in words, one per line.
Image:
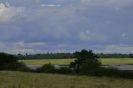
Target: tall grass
column 34, row 80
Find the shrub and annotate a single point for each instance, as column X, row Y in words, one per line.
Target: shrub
column 17, row 67
column 111, row 72
column 47, row 68
column 64, row 70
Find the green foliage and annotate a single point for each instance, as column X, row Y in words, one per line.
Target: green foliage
column 115, row 55
column 67, row 55
column 9, row 62
column 64, row 70
column 47, row 68
column 86, row 61
column 5, row 60
column 45, row 56
column 130, row 55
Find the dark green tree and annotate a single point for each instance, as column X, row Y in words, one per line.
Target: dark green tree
column 86, row 61
column 6, row 59
column 130, row 55
column 9, row 62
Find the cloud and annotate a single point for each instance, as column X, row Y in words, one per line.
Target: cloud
column 50, row 5
column 124, row 35
column 59, row 25
column 108, row 2
column 118, row 49
column 9, row 13
column 22, row 47
column 91, row 36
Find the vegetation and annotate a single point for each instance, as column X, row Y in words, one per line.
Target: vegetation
column 116, row 61
column 115, row 55
column 9, row 62
column 45, row 56
column 67, row 55
column 47, row 68
column 47, row 61
column 86, row 61
column 35, row 80
column 67, row 61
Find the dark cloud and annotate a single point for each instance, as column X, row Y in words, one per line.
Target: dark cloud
column 50, row 25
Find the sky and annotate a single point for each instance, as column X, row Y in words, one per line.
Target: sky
column 40, row 26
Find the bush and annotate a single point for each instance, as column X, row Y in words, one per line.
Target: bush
column 17, row 67
column 111, row 72
column 47, row 68
column 64, row 70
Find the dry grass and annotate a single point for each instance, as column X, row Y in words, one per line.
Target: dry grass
column 32, row 80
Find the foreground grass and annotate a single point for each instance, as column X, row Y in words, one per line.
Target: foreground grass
column 67, row 61
column 32, row 80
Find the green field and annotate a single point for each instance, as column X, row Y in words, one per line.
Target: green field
column 117, row 61
column 67, row 61
column 35, row 80
column 46, row 61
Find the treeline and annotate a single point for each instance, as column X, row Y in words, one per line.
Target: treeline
column 68, row 55
column 46, row 56
column 102, row 55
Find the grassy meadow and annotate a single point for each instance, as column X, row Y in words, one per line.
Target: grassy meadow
column 117, row 61
column 67, row 61
column 35, row 80
column 46, row 61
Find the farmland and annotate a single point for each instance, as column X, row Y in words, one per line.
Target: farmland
column 67, row 61
column 35, row 80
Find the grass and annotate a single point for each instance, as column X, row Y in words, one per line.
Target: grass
column 117, row 61
column 67, row 61
column 46, row 61
column 34, row 80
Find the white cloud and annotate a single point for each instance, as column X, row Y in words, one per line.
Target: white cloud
column 85, row 35
column 9, row 13
column 22, row 47
column 115, row 3
column 118, row 49
column 124, row 35
column 92, row 36
column 50, row 5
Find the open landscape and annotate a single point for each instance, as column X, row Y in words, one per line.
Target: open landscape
column 104, row 61
column 66, row 43
column 10, row 79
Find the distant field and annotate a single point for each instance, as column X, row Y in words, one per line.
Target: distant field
column 34, row 80
column 46, row 61
column 117, row 61
column 67, row 61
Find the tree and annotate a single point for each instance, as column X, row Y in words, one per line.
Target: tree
column 9, row 62
column 6, row 59
column 86, row 61
column 130, row 55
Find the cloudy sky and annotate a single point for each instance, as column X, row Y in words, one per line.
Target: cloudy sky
column 38, row 26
